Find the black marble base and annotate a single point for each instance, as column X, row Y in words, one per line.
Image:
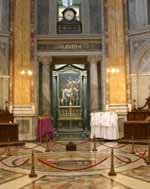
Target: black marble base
column 71, row 147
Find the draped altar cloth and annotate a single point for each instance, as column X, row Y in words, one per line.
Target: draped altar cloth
column 104, row 125
column 44, row 128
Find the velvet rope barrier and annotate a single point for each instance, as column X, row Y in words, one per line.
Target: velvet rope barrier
column 65, row 169
column 129, row 160
column 124, row 161
column 15, row 166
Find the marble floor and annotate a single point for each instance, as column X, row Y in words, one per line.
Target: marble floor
column 57, row 168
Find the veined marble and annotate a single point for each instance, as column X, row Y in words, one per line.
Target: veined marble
column 69, row 168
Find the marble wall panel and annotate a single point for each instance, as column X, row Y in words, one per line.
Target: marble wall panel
column 4, row 91
column 4, row 71
column 5, row 15
column 1, row 8
column 95, row 16
column 4, row 53
column 43, row 17
column 138, row 13
column 140, row 88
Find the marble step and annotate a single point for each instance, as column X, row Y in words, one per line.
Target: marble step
column 71, row 135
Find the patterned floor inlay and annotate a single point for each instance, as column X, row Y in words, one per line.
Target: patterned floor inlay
column 75, row 161
column 6, row 176
column 74, row 182
column 71, row 169
column 141, row 172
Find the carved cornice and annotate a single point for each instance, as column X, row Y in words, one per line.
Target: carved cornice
column 66, row 44
column 68, row 37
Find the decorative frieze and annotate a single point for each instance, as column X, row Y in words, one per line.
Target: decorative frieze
column 68, row 46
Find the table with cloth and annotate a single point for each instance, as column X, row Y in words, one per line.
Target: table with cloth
column 44, row 128
column 104, row 125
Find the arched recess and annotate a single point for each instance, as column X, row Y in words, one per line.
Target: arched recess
column 141, row 79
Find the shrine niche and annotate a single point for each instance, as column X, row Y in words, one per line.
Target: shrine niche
column 68, row 97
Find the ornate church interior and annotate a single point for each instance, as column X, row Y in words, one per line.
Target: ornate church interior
column 74, row 94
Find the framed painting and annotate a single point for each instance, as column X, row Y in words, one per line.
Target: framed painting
column 69, row 89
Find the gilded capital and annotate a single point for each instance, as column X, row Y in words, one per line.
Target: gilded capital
column 45, row 59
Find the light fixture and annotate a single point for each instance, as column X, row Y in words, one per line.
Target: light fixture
column 29, row 72
column 113, row 70
column 22, row 72
column 26, row 71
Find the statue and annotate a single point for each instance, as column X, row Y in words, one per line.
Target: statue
column 134, row 106
column 6, row 106
column 147, row 104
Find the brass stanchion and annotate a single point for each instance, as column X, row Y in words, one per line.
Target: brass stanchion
column 112, row 169
column 147, row 160
column 32, row 173
column 132, row 145
column 8, row 152
column 47, row 145
column 94, row 144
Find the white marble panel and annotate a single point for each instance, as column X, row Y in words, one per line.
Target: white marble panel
column 4, row 91
column 1, row 7
column 140, row 88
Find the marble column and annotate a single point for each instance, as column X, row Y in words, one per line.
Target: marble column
column 46, row 102
column 94, row 101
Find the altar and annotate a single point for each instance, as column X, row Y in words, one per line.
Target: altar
column 104, row 125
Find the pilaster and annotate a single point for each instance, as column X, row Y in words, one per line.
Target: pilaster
column 21, row 52
column 116, row 81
